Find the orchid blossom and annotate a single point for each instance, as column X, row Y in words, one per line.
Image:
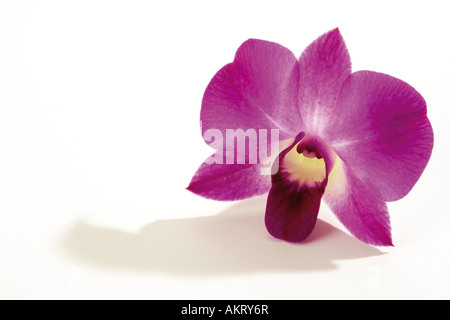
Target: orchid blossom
column 356, row 140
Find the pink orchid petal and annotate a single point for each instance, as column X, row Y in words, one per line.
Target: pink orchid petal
column 258, row 90
column 324, row 65
column 228, row 182
column 357, row 207
column 294, row 199
column 380, row 130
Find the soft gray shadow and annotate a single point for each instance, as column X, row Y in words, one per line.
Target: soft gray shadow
column 232, row 242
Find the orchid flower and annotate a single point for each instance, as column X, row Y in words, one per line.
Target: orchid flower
column 356, row 140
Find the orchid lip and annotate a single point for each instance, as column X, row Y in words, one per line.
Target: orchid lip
column 294, row 199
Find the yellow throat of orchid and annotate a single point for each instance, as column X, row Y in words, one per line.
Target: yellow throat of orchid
column 304, row 168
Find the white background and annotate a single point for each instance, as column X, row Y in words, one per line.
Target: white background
column 99, row 136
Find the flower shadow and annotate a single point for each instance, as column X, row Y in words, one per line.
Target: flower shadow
column 232, row 242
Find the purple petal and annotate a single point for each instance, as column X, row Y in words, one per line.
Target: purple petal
column 297, row 188
column 357, row 207
column 258, row 90
column 229, row 181
column 324, row 65
column 381, row 132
